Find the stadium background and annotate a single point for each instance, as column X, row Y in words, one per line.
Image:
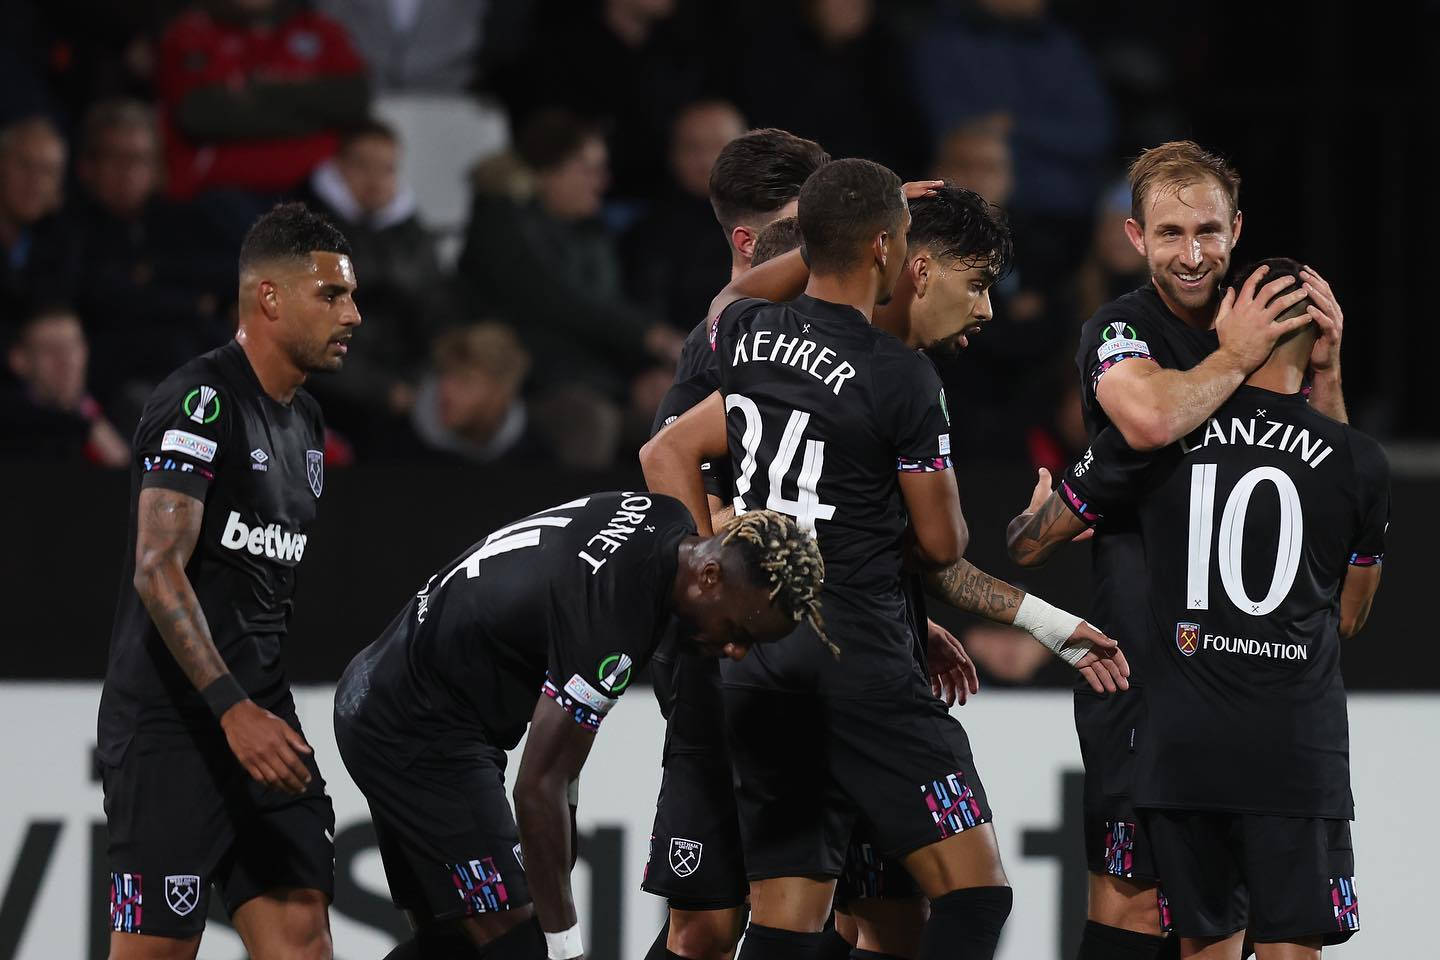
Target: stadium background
column 1325, row 114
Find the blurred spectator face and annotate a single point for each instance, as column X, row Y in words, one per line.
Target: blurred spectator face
column 574, row 188
column 978, row 159
column 122, row 169
column 701, row 132
column 32, row 171
column 840, row 21
column 370, row 167
column 472, row 400
column 50, row 360
column 1014, row 9
column 480, row 370
column 1187, row 239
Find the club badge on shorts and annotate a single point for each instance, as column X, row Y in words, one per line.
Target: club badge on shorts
column 685, row 856
column 315, row 470
column 182, row 892
column 1187, row 637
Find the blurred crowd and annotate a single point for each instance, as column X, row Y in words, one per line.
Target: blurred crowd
column 138, row 140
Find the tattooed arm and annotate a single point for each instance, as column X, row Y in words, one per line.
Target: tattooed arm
column 968, row 588
column 169, row 527
column 1047, row 523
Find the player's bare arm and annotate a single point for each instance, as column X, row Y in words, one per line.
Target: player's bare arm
column 169, row 526
column 1096, row 656
column 1046, row 523
column 781, row 278
column 937, row 524
column 1356, row 597
column 1153, row 406
column 1326, row 394
column 555, row 750
column 671, row 459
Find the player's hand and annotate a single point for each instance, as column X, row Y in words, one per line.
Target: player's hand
column 1324, row 309
column 952, row 672
column 1246, row 323
column 916, row 189
column 1104, row 667
column 1043, row 488
column 267, row 747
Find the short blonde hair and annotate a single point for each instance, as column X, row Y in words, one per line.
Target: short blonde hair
column 490, row 347
column 1179, row 164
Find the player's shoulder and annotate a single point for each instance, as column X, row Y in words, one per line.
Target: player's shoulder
column 1141, row 306
column 894, row 356
column 1366, row 452
column 202, row 381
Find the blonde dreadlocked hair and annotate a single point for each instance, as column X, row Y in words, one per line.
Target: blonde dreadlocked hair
column 779, row 553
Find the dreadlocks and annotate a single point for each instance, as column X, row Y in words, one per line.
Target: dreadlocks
column 778, row 553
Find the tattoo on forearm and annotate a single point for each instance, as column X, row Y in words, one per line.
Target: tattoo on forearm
column 1045, row 530
column 169, row 525
column 965, row 587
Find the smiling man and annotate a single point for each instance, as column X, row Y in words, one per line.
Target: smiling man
column 208, row 778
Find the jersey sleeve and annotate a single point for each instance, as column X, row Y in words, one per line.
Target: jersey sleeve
column 1372, row 476
column 183, row 434
column 910, row 400
column 1111, row 337
column 1108, row 475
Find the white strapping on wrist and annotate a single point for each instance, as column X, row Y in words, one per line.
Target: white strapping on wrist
column 1052, row 627
column 565, row 944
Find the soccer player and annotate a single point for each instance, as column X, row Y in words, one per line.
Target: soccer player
column 208, row 778
column 542, row 624
column 1263, row 532
column 818, row 737
column 1154, row 364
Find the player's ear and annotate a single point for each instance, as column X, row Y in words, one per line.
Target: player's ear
column 712, row 574
column 1235, row 230
column 269, row 296
column 743, row 239
column 920, row 274
column 881, row 248
column 1136, row 234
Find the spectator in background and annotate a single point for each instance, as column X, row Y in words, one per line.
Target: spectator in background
column 35, row 252
column 414, row 46
column 148, row 282
column 674, row 256
column 47, row 413
column 1114, row 267
column 977, row 156
column 833, row 74
column 406, row 295
column 253, row 93
column 469, row 408
column 548, row 263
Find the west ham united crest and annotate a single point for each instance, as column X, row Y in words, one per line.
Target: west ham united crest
column 315, row 470
column 182, row 892
column 1187, row 637
column 685, row 856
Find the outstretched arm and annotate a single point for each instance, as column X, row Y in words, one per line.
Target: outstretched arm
column 1046, row 523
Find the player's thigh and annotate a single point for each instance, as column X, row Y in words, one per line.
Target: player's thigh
column 705, row 934
column 1128, row 904
column 1212, row 948
column 1307, row 949
column 140, row 946
column 1300, row 873
column 170, row 833
column 285, row 923
column 800, row 904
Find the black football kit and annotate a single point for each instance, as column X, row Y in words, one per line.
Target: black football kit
column 823, row 412
column 566, row 604
column 1137, row 325
column 182, row 813
column 1242, row 778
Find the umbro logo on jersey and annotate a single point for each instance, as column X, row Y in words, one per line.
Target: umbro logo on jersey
column 259, row 460
column 270, row 541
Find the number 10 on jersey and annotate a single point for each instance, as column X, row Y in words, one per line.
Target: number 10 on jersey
column 806, row 508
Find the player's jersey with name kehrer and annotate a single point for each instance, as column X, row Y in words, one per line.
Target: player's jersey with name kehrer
column 1137, row 325
column 1248, row 526
column 210, row 431
column 570, row 601
column 823, row 412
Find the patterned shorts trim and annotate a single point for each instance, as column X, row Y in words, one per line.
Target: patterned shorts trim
column 952, row 805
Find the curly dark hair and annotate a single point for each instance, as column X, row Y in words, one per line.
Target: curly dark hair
column 959, row 224
column 778, row 554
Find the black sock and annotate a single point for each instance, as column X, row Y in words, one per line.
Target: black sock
column 965, row 924
column 524, row 942
column 857, row 954
column 1102, row 942
column 771, row 943
column 659, row 949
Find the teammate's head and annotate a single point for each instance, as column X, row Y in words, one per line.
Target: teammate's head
column 756, row 180
column 1184, row 220
column 297, row 287
column 751, row 583
column 1294, row 347
column 959, row 246
column 776, row 239
column 853, row 217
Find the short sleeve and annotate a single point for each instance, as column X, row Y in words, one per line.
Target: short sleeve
column 182, row 435
column 723, row 327
column 910, row 400
column 1372, row 476
column 1108, row 475
column 1111, row 337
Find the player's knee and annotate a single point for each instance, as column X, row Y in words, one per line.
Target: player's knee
column 1125, row 904
column 703, row 934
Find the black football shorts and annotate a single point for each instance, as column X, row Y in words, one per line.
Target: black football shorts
column 446, row 833
column 808, row 767
column 183, row 815
column 1115, row 841
column 696, row 861
column 1281, row 878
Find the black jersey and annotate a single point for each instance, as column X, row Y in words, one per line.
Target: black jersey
column 823, row 412
column 210, row 431
column 1248, row 527
column 1135, row 325
column 570, row 601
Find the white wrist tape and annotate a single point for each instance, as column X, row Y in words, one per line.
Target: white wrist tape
column 565, row 944
column 1051, row 626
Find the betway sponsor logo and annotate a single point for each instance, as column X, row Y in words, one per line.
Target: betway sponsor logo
column 270, row 540
column 1255, row 648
